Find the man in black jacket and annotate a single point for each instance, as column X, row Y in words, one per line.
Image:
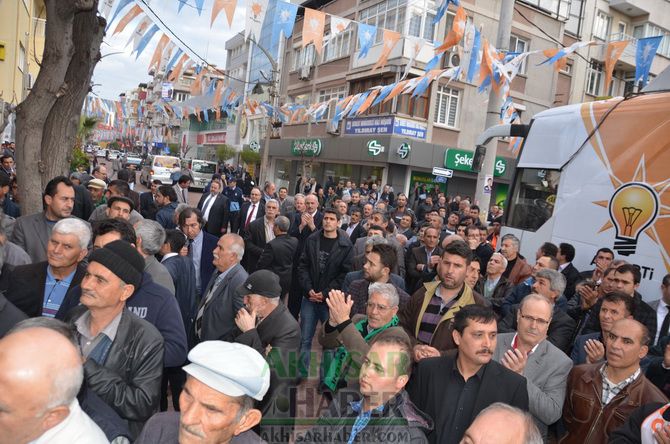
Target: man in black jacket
column 39, row 289
column 257, row 234
column 566, row 254
column 214, row 208
column 148, row 206
column 123, row 366
column 276, row 253
column 467, row 381
column 324, row 263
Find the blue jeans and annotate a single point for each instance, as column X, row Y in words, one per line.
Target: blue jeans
column 310, row 314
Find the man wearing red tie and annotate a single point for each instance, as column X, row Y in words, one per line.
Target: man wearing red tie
column 252, row 210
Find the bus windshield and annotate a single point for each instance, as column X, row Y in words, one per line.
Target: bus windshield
column 533, row 198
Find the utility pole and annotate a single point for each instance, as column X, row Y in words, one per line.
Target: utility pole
column 493, row 109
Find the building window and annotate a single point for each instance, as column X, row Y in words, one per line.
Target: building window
column 601, row 25
column 303, row 56
column 22, row 58
column 519, row 45
column 338, row 93
column 651, row 30
column 447, row 106
column 420, row 23
column 338, row 47
column 556, row 8
column 574, row 23
column 389, row 14
column 594, row 78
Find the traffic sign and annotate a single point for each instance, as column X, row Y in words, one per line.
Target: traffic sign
column 437, row 171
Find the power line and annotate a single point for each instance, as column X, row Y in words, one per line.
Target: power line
column 198, row 56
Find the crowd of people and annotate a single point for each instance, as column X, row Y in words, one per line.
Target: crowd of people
column 129, row 317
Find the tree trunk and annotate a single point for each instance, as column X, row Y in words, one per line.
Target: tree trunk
column 32, row 113
column 62, row 124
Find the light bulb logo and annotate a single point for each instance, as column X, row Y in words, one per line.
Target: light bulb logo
column 633, row 207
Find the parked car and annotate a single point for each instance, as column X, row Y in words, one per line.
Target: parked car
column 201, row 171
column 132, row 159
column 159, row 167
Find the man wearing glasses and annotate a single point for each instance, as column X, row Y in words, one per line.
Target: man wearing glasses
column 350, row 337
column 544, row 366
column 550, row 284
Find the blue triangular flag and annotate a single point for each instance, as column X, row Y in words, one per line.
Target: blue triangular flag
column 366, row 38
column 644, row 56
column 285, row 14
column 146, row 38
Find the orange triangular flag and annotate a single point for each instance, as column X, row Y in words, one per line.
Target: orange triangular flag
column 197, row 83
column 134, row 12
column 455, row 33
column 228, row 6
column 390, row 39
column 158, row 52
column 217, row 112
column 197, row 113
column 312, row 28
column 397, row 89
column 614, row 52
column 368, row 101
column 217, row 94
column 560, row 63
column 176, row 71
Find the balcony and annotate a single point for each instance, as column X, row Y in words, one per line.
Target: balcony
column 627, row 60
column 402, row 49
column 633, row 8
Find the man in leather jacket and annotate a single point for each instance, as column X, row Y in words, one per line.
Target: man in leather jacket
column 123, row 354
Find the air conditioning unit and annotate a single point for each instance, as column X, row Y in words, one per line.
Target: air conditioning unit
column 451, row 59
column 304, row 73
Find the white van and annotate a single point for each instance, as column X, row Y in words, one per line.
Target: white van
column 200, row 171
column 596, row 175
column 158, row 167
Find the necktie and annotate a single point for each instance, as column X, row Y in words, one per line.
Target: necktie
column 183, row 193
column 206, row 205
column 665, row 325
column 204, row 303
column 251, row 212
column 190, row 248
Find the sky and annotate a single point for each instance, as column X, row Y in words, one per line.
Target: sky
column 119, row 71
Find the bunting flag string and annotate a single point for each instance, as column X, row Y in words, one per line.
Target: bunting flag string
column 312, row 28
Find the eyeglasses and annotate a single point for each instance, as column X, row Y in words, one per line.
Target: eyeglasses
column 531, row 319
column 372, row 306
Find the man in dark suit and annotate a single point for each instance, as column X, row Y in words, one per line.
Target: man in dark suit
column 251, row 210
column 39, row 289
column 566, row 254
column 148, row 206
column 276, row 252
column 259, row 233
column 422, row 261
column 468, row 381
column 214, row 208
column 201, row 246
column 354, row 228
column 32, row 232
column 215, row 318
column 277, row 338
column 129, row 176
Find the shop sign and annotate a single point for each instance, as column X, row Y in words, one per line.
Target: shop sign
column 404, row 150
column 255, row 146
column 306, row 147
column 166, row 91
column 385, row 125
column 369, row 126
column 213, row 138
column 243, row 126
column 409, row 128
column 375, row 148
column 461, row 160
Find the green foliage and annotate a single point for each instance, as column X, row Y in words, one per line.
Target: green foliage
column 225, row 152
column 113, row 145
column 86, row 127
column 250, row 157
column 79, row 159
column 174, row 149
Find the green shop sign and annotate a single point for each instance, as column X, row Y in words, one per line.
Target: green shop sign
column 306, row 147
column 461, row 160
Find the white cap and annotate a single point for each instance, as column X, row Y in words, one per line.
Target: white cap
column 230, row 368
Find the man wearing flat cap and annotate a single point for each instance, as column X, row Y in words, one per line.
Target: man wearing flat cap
column 96, row 188
column 268, row 327
column 123, row 353
column 119, row 207
column 217, row 404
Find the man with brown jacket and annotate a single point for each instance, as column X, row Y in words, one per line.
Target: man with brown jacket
column 600, row 397
column 428, row 316
column 517, row 270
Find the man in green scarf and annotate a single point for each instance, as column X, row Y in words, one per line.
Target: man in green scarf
column 351, row 337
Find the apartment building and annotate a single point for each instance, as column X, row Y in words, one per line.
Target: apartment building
column 22, row 31
column 399, row 142
column 613, row 20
